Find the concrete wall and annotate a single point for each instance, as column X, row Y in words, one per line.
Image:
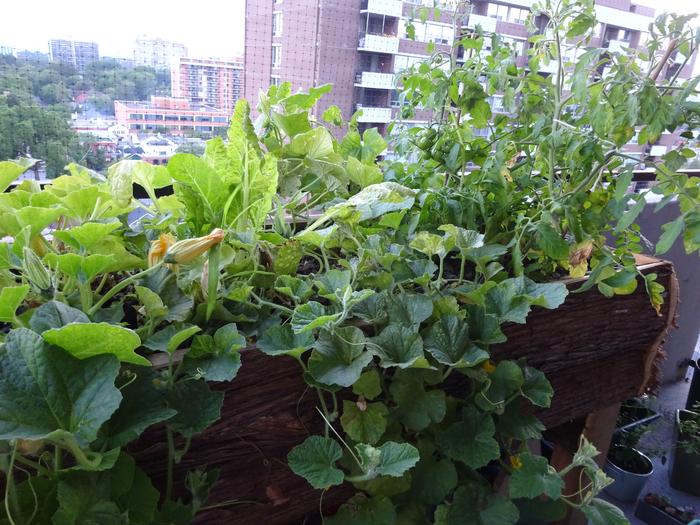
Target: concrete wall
column 681, row 341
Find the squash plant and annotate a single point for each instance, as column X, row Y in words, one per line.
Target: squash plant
column 384, row 278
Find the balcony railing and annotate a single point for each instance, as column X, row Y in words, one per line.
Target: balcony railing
column 487, row 23
column 378, row 43
column 382, row 7
column 374, row 114
column 370, row 79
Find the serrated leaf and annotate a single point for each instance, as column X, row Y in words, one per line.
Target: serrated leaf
column 368, row 385
column 219, row 358
column 504, row 381
column 170, row 338
column 397, row 345
column 143, row 405
column 377, row 510
column 339, row 357
column 281, row 340
column 61, row 393
column 433, row 479
column 390, row 459
column 536, row 387
column 534, row 478
column 601, row 512
column 551, row 242
column 365, row 422
column 84, row 340
column 309, row 316
column 55, row 314
column 470, row 507
column 417, row 408
column 315, row 459
column 448, row 342
column 197, row 407
column 471, row 440
column 408, row 309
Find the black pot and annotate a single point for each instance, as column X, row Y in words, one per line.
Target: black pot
column 684, row 473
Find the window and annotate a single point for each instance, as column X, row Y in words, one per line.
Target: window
column 277, row 24
column 276, row 56
column 274, row 81
column 514, row 15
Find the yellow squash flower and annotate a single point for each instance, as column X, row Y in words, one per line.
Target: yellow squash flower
column 189, row 249
column 488, row 366
column 516, row 462
column 159, row 248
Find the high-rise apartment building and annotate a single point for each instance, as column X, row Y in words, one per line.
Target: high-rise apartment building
column 7, row 50
column 156, row 52
column 72, row 52
column 360, row 45
column 216, row 83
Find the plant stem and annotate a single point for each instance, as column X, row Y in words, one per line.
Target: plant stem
column 120, row 286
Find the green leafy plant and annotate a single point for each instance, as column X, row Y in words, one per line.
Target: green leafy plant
column 384, row 278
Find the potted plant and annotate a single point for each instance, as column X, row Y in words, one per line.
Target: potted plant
column 636, row 412
column 656, row 509
column 628, row 467
column 406, row 276
column 684, row 473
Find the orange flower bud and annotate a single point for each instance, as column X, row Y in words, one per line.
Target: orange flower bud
column 189, row 249
column 159, row 248
column 488, row 366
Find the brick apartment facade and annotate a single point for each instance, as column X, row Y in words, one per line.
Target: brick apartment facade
column 177, row 116
column 360, row 45
column 216, row 83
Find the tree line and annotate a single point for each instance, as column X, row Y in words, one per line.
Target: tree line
column 37, row 98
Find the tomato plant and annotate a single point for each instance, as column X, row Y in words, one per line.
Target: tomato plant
column 383, row 277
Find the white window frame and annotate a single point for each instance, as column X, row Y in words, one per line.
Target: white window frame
column 276, row 54
column 277, row 23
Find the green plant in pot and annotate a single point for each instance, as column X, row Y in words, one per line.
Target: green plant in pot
column 684, row 472
column 400, row 282
column 627, row 465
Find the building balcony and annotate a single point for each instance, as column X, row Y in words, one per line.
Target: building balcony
column 618, row 46
column 487, row 23
column 374, row 114
column 382, row 7
column 378, row 43
column 369, row 79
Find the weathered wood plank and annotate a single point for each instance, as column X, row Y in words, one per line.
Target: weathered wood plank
column 593, row 349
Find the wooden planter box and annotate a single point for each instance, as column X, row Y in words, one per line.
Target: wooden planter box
column 595, row 351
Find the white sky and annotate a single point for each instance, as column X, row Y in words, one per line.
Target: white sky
column 207, row 28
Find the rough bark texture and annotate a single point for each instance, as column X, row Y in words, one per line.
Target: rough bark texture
column 594, row 350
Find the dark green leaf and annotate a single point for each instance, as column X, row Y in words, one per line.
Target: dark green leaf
column 60, row 392
column 339, row 357
column 471, row 440
column 315, row 460
column 196, row 404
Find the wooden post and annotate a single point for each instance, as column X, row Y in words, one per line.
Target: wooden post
column 598, row 429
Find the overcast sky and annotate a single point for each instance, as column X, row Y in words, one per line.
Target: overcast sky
column 207, row 28
column 213, row 28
